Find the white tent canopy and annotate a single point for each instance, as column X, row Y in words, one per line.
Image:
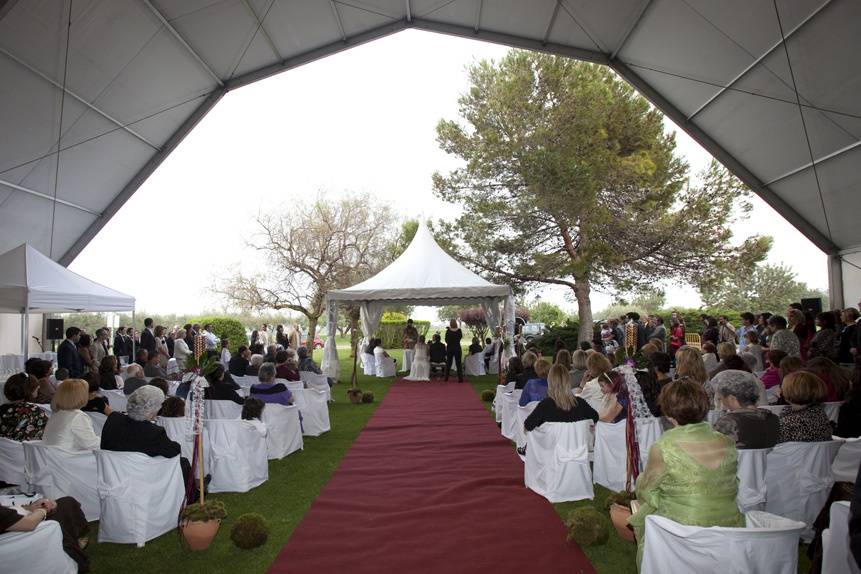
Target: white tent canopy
column 424, row 274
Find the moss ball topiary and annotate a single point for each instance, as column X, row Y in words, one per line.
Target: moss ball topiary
column 487, row 395
column 367, row 397
column 588, row 527
column 621, row 498
column 250, row 531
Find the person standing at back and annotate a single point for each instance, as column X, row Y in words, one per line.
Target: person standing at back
column 453, row 335
column 148, row 337
column 67, row 354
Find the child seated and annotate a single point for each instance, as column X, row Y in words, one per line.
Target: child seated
column 252, row 411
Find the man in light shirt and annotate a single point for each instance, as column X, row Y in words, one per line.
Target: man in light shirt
column 210, row 340
column 747, row 324
column 263, row 335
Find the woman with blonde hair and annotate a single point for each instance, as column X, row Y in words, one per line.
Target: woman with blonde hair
column 597, row 365
column 69, row 427
column 536, row 389
column 689, row 363
column 560, row 405
column 578, row 367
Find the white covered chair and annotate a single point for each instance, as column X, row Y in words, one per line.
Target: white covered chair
column 509, row 413
column 285, row 432
column 385, row 366
column 473, row 366
column 847, row 461
column 768, row 544
column 557, row 461
column 12, row 462
column 116, row 399
column 40, row 550
column 408, row 359
column 140, row 496
column 610, row 468
column 836, row 557
column 177, row 431
column 497, row 401
column 799, row 479
column 318, row 382
column 237, row 454
column 752, row 487
column 55, row 472
column 519, row 429
column 315, row 411
column 648, row 431
column 98, row 420
column 493, row 365
column 369, row 364
column 832, row 410
column 222, row 409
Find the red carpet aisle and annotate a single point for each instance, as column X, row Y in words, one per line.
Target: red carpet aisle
column 429, row 486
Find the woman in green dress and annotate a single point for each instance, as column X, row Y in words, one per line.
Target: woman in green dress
column 690, row 476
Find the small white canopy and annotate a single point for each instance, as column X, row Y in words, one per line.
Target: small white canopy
column 32, row 283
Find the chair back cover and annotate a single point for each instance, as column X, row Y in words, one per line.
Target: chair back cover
column 140, row 496
column 408, row 359
column 799, row 479
column 245, row 381
column 768, row 544
column 237, row 454
column 648, row 431
column 473, row 366
column 847, row 461
column 836, row 557
column 116, row 399
column 98, row 420
column 12, row 462
column 509, row 413
column 557, row 461
column 285, row 432
column 315, row 381
column 752, row 488
column 315, row 411
column 177, row 430
column 55, row 472
column 497, row 402
column 385, row 366
column 369, row 364
column 832, row 410
column 611, row 467
column 222, row 409
column 40, row 550
column 519, row 430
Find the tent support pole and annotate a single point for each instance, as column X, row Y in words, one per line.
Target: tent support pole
column 134, row 351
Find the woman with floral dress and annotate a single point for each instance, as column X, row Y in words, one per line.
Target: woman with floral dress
column 20, row 419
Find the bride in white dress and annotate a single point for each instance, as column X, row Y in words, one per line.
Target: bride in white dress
column 420, row 369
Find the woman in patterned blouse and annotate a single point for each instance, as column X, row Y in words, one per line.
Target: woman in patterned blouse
column 804, row 420
column 19, row 419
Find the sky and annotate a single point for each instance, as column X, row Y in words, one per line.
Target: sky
column 359, row 121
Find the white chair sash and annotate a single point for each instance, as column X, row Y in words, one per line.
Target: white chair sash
column 519, row 430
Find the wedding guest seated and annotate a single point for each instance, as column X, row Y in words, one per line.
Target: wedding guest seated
column 578, row 367
column 754, row 348
column 743, row 422
column 536, row 389
column 254, row 365
column 489, row 351
column 269, row 357
column 134, row 380
column 380, row 354
column 153, row 367
column 285, row 368
column 141, row 357
column 109, row 374
column 804, row 420
column 437, row 354
column 267, row 390
column 66, row 511
column 238, row 364
column 709, row 356
column 528, row 373
column 653, row 379
column 96, row 403
column 849, row 415
column 20, row 418
column 475, row 347
column 307, row 364
column 515, row 368
column 560, row 405
column 217, row 389
column 597, row 366
column 69, row 427
column 41, row 369
column 252, row 412
column 771, row 376
column 690, row 364
column 690, row 476
column 563, row 357
column 172, row 407
column 614, row 402
column 725, row 350
column 833, row 375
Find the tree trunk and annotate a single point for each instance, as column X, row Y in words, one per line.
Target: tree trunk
column 582, row 289
column 312, row 332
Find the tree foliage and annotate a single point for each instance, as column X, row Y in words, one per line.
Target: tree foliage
column 547, row 313
column 767, row 288
column 569, row 178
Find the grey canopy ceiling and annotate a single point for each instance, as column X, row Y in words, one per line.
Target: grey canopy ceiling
column 96, row 93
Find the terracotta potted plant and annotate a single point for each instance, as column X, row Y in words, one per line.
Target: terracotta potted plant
column 199, row 523
column 619, row 505
column 355, row 395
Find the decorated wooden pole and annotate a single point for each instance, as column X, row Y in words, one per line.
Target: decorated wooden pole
column 199, row 353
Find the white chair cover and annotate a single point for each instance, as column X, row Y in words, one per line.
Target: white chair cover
column 177, row 430
column 836, row 557
column 98, row 420
column 55, row 472
column 519, row 429
column 408, row 359
column 116, row 399
column 385, row 367
column 40, row 550
column 776, row 409
column 648, row 431
column 493, row 365
column 752, row 487
column 474, row 365
column 799, row 479
column 318, row 382
column 509, row 413
column 245, row 381
column 12, row 462
column 369, row 364
column 610, row 468
column 222, row 410
column 832, row 409
column 557, row 461
column 768, row 544
column 285, row 432
column 237, row 454
column 847, row 461
column 140, row 496
column 497, row 402
column 292, row 386
column 315, row 411
column 713, row 416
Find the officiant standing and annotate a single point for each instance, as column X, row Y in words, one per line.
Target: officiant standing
column 410, row 336
column 453, row 335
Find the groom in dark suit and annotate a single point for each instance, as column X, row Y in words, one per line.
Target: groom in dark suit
column 67, row 354
column 147, row 337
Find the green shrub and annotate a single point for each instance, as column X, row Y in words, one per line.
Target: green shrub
column 250, row 531
column 211, row 510
column 392, row 331
column 588, row 527
column 568, row 334
column 367, row 397
column 225, row 328
column 488, row 395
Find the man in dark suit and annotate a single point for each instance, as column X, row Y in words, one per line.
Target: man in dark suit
column 120, row 343
column 147, row 337
column 67, row 354
column 238, row 364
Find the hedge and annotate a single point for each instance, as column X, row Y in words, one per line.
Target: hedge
column 223, row 327
column 392, row 332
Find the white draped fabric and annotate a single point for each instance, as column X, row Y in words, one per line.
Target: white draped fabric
column 330, row 365
column 370, row 315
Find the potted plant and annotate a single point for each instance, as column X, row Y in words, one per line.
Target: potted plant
column 619, row 505
column 355, row 395
column 199, row 523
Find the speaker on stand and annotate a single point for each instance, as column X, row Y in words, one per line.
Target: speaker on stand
column 54, row 332
column 812, row 305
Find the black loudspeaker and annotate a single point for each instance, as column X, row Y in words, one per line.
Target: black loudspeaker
column 55, row 329
column 813, row 305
